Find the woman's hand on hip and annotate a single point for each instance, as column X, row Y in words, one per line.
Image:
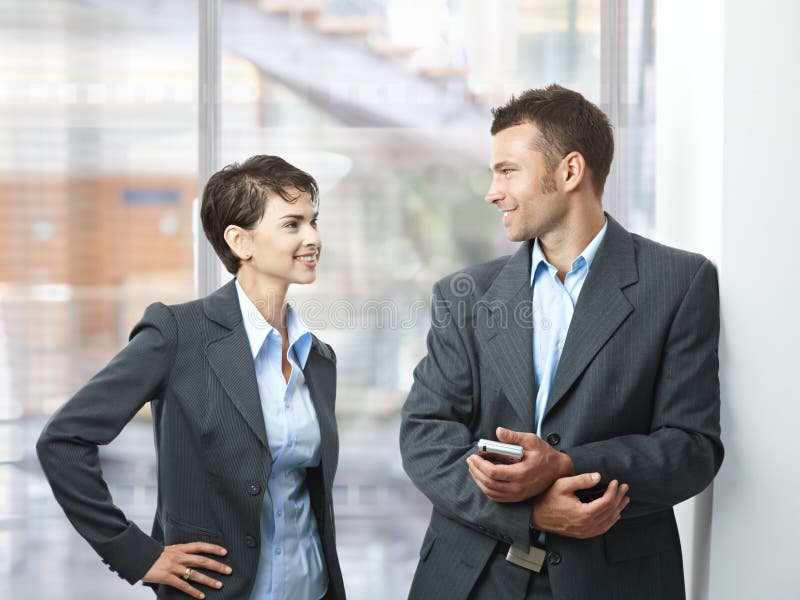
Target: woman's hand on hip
column 178, row 560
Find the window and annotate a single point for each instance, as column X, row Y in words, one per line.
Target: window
column 386, row 102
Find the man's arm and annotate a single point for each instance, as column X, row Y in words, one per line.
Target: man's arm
column 556, row 509
column 683, row 451
column 436, row 438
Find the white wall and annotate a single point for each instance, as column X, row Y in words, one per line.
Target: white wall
column 689, row 167
column 728, row 93
column 756, row 522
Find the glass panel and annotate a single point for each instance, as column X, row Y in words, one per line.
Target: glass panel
column 639, row 178
column 98, row 113
column 387, row 103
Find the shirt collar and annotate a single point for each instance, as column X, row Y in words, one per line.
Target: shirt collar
column 587, row 256
column 258, row 329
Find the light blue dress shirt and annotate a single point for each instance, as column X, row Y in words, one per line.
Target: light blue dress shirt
column 553, row 305
column 290, row 564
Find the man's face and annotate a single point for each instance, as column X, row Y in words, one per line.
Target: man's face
column 523, row 189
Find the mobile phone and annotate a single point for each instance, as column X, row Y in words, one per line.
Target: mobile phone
column 499, row 452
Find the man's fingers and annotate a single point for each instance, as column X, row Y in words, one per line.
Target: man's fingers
column 481, row 478
column 608, row 501
column 608, row 509
column 508, row 436
column 496, row 491
column 622, row 492
column 478, row 476
column 520, row 438
column 611, row 491
column 489, row 493
column 600, row 510
column 488, row 468
column 583, row 481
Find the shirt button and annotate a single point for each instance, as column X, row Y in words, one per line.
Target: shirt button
column 278, row 550
column 250, row 541
column 253, row 488
column 553, row 558
column 280, row 512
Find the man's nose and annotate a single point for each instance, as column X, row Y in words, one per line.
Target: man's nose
column 494, row 194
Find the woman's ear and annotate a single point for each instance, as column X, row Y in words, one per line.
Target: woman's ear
column 239, row 241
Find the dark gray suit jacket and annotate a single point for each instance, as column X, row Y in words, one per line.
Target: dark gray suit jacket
column 193, row 363
column 635, row 397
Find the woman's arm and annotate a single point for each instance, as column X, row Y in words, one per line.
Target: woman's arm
column 95, row 415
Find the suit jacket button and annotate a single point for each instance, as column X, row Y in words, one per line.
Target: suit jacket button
column 253, row 488
column 554, row 439
column 250, row 541
column 553, row 558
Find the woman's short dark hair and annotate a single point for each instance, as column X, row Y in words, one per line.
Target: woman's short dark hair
column 568, row 122
column 237, row 195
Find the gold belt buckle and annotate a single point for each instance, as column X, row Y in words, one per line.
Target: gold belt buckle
column 533, row 559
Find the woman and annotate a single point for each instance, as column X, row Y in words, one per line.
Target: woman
column 242, row 397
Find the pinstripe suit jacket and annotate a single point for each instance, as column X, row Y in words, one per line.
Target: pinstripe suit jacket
column 635, row 397
column 192, row 362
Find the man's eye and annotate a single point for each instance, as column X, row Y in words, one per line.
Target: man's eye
column 314, row 223
column 507, row 171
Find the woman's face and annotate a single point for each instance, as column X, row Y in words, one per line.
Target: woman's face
column 285, row 246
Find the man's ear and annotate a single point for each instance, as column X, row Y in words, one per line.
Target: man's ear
column 573, row 171
column 240, row 242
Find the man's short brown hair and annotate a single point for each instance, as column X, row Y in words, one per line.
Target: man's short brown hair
column 568, row 122
column 237, row 195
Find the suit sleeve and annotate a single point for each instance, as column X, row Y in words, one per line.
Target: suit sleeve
column 436, row 438
column 95, row 415
column 683, row 451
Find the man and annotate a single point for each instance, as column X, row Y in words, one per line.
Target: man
column 595, row 350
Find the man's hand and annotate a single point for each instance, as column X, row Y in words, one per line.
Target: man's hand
column 560, row 511
column 170, row 568
column 540, row 466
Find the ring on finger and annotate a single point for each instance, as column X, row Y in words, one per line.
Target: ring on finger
column 188, row 573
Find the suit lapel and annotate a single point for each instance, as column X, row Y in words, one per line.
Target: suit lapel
column 601, row 309
column 504, row 328
column 231, row 359
column 320, row 375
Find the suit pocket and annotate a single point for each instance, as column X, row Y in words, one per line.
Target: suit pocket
column 427, row 544
column 180, row 531
column 452, row 557
column 639, row 537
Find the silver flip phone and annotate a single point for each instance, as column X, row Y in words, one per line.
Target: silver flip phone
column 499, row 452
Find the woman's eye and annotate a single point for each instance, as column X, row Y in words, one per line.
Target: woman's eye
column 291, row 225
column 314, row 223
column 507, row 171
